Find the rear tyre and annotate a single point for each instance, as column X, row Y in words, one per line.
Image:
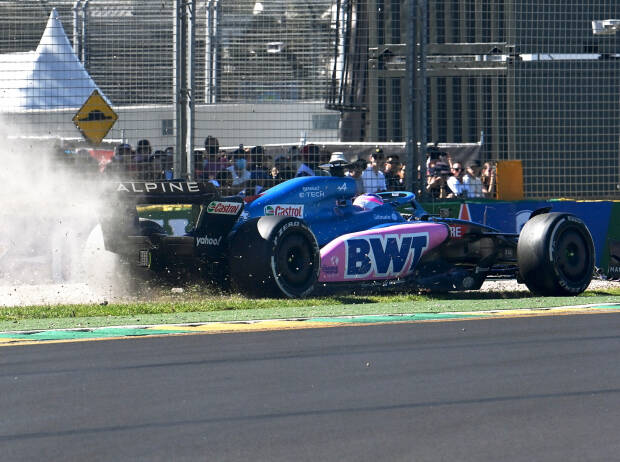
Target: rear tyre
column 274, row 256
column 556, row 255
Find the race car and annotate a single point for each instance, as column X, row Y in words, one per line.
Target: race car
column 313, row 231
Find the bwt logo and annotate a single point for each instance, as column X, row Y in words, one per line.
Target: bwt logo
column 288, row 210
column 384, row 255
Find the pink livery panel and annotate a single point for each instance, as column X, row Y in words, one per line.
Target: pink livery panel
column 382, row 253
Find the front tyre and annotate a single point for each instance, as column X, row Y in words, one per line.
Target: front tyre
column 274, row 256
column 555, row 254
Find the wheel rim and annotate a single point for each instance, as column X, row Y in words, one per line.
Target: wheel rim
column 571, row 252
column 294, row 262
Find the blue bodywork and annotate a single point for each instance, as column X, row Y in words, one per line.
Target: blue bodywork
column 327, row 206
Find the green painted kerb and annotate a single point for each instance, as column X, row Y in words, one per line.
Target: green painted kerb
column 87, row 334
column 400, row 318
column 110, row 332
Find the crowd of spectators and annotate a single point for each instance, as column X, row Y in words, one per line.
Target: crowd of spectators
column 142, row 163
column 448, row 179
column 249, row 171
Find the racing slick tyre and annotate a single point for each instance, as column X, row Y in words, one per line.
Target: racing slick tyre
column 555, row 254
column 274, row 256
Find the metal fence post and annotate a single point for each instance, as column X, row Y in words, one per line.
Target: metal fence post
column 84, row 35
column 422, row 92
column 190, row 10
column 76, row 27
column 180, row 158
column 412, row 141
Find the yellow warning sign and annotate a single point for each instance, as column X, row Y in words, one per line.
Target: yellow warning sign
column 95, row 118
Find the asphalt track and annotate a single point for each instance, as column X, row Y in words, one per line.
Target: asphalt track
column 531, row 388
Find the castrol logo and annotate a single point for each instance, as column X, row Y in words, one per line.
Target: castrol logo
column 285, row 210
column 224, row 208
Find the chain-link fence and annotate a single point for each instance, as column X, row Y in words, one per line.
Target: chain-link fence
column 532, row 82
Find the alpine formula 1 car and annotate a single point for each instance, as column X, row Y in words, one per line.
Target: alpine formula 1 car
column 313, row 231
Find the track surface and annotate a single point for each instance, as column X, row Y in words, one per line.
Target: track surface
column 542, row 388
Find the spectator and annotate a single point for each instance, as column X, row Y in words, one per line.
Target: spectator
column 120, row 164
column 283, row 164
column 168, row 163
column 436, row 182
column 430, row 166
column 156, row 165
column 212, row 161
column 393, row 158
column 336, row 165
column 141, row 159
column 392, row 181
column 275, row 177
column 311, row 155
column 143, row 151
column 373, row 178
column 472, row 184
column 260, row 175
column 199, row 173
column 488, row 180
column 443, row 162
column 240, row 176
column 301, row 168
column 212, row 145
column 323, row 158
column 355, row 171
column 432, row 153
column 455, row 181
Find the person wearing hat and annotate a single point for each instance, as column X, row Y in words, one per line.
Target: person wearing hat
column 336, row 165
column 472, row 183
column 373, row 177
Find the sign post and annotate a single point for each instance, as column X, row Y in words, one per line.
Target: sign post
column 95, row 118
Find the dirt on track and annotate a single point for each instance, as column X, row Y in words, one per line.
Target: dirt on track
column 511, row 285
column 71, row 293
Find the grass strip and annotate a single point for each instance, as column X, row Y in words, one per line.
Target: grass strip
column 192, row 308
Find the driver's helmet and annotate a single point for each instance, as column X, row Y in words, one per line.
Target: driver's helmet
column 368, row 201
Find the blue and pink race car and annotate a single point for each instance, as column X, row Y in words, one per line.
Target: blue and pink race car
column 313, row 231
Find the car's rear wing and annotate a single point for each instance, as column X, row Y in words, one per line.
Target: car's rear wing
column 162, row 192
column 123, row 230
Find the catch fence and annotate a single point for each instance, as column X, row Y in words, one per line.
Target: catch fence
column 535, row 82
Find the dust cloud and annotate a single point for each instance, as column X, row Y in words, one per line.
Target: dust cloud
column 51, row 248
